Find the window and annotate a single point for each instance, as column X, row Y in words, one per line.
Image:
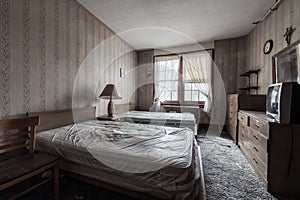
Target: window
column 184, row 78
column 167, row 78
column 192, row 93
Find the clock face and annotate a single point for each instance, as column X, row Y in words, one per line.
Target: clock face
column 268, row 46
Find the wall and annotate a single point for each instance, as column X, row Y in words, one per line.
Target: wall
column 145, row 79
column 185, row 48
column 273, row 27
column 230, row 59
column 44, row 43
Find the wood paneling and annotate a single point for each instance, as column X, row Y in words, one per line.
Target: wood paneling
column 235, row 56
column 145, row 83
column 43, row 45
column 273, row 27
column 230, row 59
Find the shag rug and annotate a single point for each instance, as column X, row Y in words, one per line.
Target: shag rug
column 227, row 173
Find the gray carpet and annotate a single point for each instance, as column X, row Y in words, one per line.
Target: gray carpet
column 227, row 173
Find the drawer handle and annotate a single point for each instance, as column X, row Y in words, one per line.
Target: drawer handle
column 255, row 149
column 255, row 137
column 242, row 118
column 257, row 125
column 255, row 161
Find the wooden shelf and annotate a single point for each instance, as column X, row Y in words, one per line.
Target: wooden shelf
column 248, row 74
column 250, row 88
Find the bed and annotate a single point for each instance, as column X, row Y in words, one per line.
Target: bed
column 161, row 118
column 142, row 161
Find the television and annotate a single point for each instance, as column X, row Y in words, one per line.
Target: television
column 282, row 103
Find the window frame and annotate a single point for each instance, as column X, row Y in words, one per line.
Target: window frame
column 181, row 90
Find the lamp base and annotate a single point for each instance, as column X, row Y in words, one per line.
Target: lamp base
column 110, row 109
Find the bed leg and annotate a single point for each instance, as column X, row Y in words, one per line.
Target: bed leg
column 56, row 181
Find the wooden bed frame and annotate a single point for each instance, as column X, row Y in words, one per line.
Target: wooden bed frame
column 55, row 119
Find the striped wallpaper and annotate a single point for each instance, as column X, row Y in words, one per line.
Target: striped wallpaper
column 44, row 43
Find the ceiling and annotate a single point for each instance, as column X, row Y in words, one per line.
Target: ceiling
column 165, row 23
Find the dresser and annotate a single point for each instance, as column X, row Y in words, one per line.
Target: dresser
column 272, row 150
column 236, row 102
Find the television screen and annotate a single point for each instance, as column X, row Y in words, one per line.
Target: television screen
column 273, row 99
column 283, row 103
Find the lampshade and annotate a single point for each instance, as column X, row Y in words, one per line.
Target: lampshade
column 110, row 91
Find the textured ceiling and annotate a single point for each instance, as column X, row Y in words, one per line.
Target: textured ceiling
column 164, row 23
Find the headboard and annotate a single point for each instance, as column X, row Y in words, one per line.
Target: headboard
column 59, row 118
column 121, row 108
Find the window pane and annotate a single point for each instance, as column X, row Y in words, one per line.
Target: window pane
column 194, row 95
column 166, row 77
column 168, row 96
column 174, row 95
column 202, row 97
column 187, row 96
column 174, row 75
column 174, row 85
column 164, row 96
column 167, row 85
column 195, row 86
column 187, row 86
column 175, row 66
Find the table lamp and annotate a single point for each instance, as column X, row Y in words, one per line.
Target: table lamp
column 110, row 92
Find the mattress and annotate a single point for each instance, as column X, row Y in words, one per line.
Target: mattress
column 152, row 159
column 161, row 118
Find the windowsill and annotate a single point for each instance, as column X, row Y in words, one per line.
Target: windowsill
column 200, row 104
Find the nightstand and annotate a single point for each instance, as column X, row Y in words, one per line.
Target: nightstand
column 106, row 118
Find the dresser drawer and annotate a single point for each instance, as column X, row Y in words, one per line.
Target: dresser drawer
column 259, row 139
column 232, row 101
column 232, row 120
column 231, row 129
column 259, row 152
column 246, row 134
column 243, row 136
column 232, row 113
column 243, row 128
column 261, row 126
column 243, row 118
column 259, row 166
column 231, row 117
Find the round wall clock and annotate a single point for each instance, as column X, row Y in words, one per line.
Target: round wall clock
column 268, row 46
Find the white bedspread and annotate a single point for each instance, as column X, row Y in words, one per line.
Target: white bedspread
column 160, row 160
column 161, row 118
column 127, row 147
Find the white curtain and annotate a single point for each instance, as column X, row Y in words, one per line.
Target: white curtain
column 166, row 77
column 197, row 68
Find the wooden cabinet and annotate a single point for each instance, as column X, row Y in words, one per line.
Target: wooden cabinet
column 231, row 120
column 272, row 150
column 236, row 102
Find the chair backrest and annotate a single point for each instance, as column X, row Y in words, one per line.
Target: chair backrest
column 58, row 118
column 16, row 134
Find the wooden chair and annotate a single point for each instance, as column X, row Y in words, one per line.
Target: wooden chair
column 18, row 161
